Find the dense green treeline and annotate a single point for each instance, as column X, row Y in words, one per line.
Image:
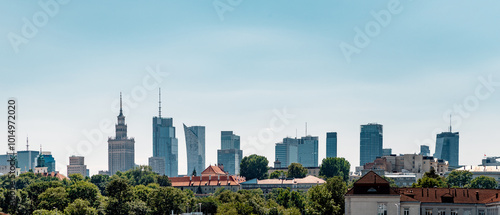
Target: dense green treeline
column 141, row 191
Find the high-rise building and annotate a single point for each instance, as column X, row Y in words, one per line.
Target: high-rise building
column 230, row 154
column 165, row 146
column 371, row 143
column 26, row 160
column 50, row 162
column 77, row 166
column 287, row 151
column 121, row 152
column 386, row 152
column 195, row 148
column 308, row 151
column 331, row 144
column 424, row 150
column 447, row 148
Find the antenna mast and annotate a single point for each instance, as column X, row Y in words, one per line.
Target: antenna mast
column 159, row 102
column 306, row 129
column 450, row 123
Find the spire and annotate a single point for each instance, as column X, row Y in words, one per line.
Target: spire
column 159, row 102
column 27, row 145
column 450, row 123
column 121, row 111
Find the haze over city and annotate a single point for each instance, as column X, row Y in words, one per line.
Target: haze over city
column 263, row 70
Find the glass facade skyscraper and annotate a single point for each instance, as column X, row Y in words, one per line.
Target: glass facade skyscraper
column 287, row 151
column 195, row 148
column 447, row 147
column 308, row 151
column 371, row 143
column 165, row 147
column 424, row 150
column 26, row 160
column 331, row 144
column 230, row 154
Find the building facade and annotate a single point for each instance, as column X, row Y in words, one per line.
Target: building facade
column 157, row 165
column 165, row 146
column 308, row 151
column 211, row 179
column 447, row 148
column 331, row 144
column 386, row 152
column 230, row 154
column 195, row 148
column 371, row 143
column 286, row 152
column 77, row 166
column 121, row 151
column 295, row 184
column 50, row 162
column 424, row 150
column 372, row 193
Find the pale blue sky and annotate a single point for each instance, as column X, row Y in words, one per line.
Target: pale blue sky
column 264, row 55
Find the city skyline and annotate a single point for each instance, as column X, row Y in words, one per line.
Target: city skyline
column 262, row 72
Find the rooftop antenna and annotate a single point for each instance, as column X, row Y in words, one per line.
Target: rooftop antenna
column 27, row 145
column 306, row 129
column 121, row 111
column 450, row 123
column 295, row 133
column 159, row 102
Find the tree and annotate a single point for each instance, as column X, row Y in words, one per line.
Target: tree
column 331, row 167
column 320, row 201
column 277, row 174
column 119, row 193
column 100, row 181
column 194, row 172
column 391, row 181
column 208, row 204
column 166, row 199
column 138, row 207
column 431, row 179
column 80, row 207
column 141, row 175
column 296, row 170
column 76, row 177
column 84, row 190
column 164, row 181
column 254, row 166
column 484, row 182
column 338, row 188
column 53, row 198
column 459, row 178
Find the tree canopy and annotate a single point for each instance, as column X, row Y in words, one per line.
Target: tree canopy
column 459, row 178
column 296, row 170
column 484, row 182
column 331, row 167
column 254, row 166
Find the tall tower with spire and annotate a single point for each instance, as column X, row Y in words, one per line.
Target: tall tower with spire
column 121, row 152
column 165, row 158
column 448, row 147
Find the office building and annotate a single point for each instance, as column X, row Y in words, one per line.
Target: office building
column 50, row 162
column 165, row 146
column 230, row 154
column 26, row 160
column 371, row 143
column 296, row 184
column 308, row 151
column 386, row 152
column 195, row 148
column 331, row 144
column 121, row 152
column 447, row 147
column 77, row 166
column 424, row 150
column 287, row 151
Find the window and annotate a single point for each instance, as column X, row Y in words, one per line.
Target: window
column 428, row 211
column 467, row 212
column 454, row 212
column 441, row 212
column 481, row 212
column 406, row 211
column 382, row 209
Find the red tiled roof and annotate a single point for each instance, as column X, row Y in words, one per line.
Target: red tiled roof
column 213, row 170
column 457, row 195
column 55, row 174
column 222, row 180
column 371, row 178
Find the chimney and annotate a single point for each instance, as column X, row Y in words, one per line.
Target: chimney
column 190, row 178
column 497, row 195
column 209, row 177
column 218, row 177
column 477, row 195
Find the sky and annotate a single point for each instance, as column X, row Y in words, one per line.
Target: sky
column 262, row 69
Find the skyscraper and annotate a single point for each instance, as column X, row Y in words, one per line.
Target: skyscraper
column 50, row 162
column 447, row 147
column 195, row 148
column 386, row 152
column 287, row 151
column 26, row 160
column 331, row 144
column 121, row 152
column 424, row 150
column 165, row 146
column 308, row 151
column 371, row 143
column 230, row 154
